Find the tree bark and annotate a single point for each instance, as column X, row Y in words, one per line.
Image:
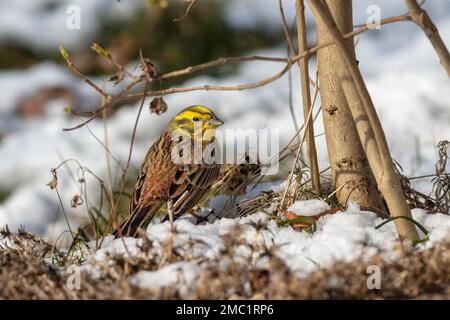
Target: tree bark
column 350, row 169
column 368, row 125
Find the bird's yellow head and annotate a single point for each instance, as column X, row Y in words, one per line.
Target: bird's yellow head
column 194, row 117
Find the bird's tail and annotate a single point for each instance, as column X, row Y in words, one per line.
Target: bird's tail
column 136, row 221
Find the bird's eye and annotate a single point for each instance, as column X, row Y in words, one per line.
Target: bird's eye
column 195, row 119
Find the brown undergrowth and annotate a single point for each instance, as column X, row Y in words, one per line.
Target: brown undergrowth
column 33, row 269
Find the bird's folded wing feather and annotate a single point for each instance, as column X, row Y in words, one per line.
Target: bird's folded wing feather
column 192, row 183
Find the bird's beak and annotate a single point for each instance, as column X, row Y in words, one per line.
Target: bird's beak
column 215, row 122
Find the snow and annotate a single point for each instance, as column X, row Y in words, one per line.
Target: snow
column 22, row 20
column 343, row 236
column 181, row 274
column 310, row 207
column 438, row 223
column 34, row 206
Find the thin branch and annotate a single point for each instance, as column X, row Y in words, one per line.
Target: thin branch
column 107, row 150
column 286, row 28
column 427, row 176
column 290, row 48
column 218, row 62
column 308, row 122
column 290, row 98
column 306, row 95
column 130, row 152
column 64, row 212
column 223, row 61
column 191, row 4
column 252, row 58
column 84, row 78
column 108, row 166
column 297, row 158
column 108, row 56
column 213, row 87
column 423, row 20
column 230, row 60
column 94, row 113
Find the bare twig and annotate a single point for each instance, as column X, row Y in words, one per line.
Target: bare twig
column 290, row 48
column 188, row 9
column 105, row 53
column 308, row 122
column 423, row 20
column 108, row 166
column 218, row 62
column 252, row 58
column 104, row 145
column 214, row 87
column 222, row 61
column 306, row 95
column 75, row 70
column 83, row 189
column 130, row 152
column 286, row 28
column 94, row 113
column 64, row 212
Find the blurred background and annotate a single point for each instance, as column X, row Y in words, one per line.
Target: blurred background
column 408, row 86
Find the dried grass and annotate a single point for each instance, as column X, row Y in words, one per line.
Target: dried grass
column 26, row 273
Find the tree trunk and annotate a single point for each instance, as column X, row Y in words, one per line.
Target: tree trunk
column 349, row 166
column 368, row 125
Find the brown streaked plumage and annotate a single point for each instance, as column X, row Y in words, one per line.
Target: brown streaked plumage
column 162, row 181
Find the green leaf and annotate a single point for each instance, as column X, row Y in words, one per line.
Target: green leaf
column 299, row 219
column 421, row 227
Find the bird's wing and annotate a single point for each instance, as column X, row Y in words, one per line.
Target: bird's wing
column 136, row 196
column 156, row 175
column 139, row 219
column 190, row 185
column 151, row 188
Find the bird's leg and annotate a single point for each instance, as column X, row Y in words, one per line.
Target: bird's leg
column 170, row 212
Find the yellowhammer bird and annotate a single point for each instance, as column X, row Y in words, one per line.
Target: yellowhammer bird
column 174, row 172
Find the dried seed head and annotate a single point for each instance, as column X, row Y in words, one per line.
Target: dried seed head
column 54, row 182
column 158, row 106
column 76, row 201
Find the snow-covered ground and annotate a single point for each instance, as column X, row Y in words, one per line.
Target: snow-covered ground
column 343, row 236
column 403, row 74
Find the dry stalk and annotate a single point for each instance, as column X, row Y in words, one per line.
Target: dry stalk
column 282, row 204
column 306, row 95
column 290, row 48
